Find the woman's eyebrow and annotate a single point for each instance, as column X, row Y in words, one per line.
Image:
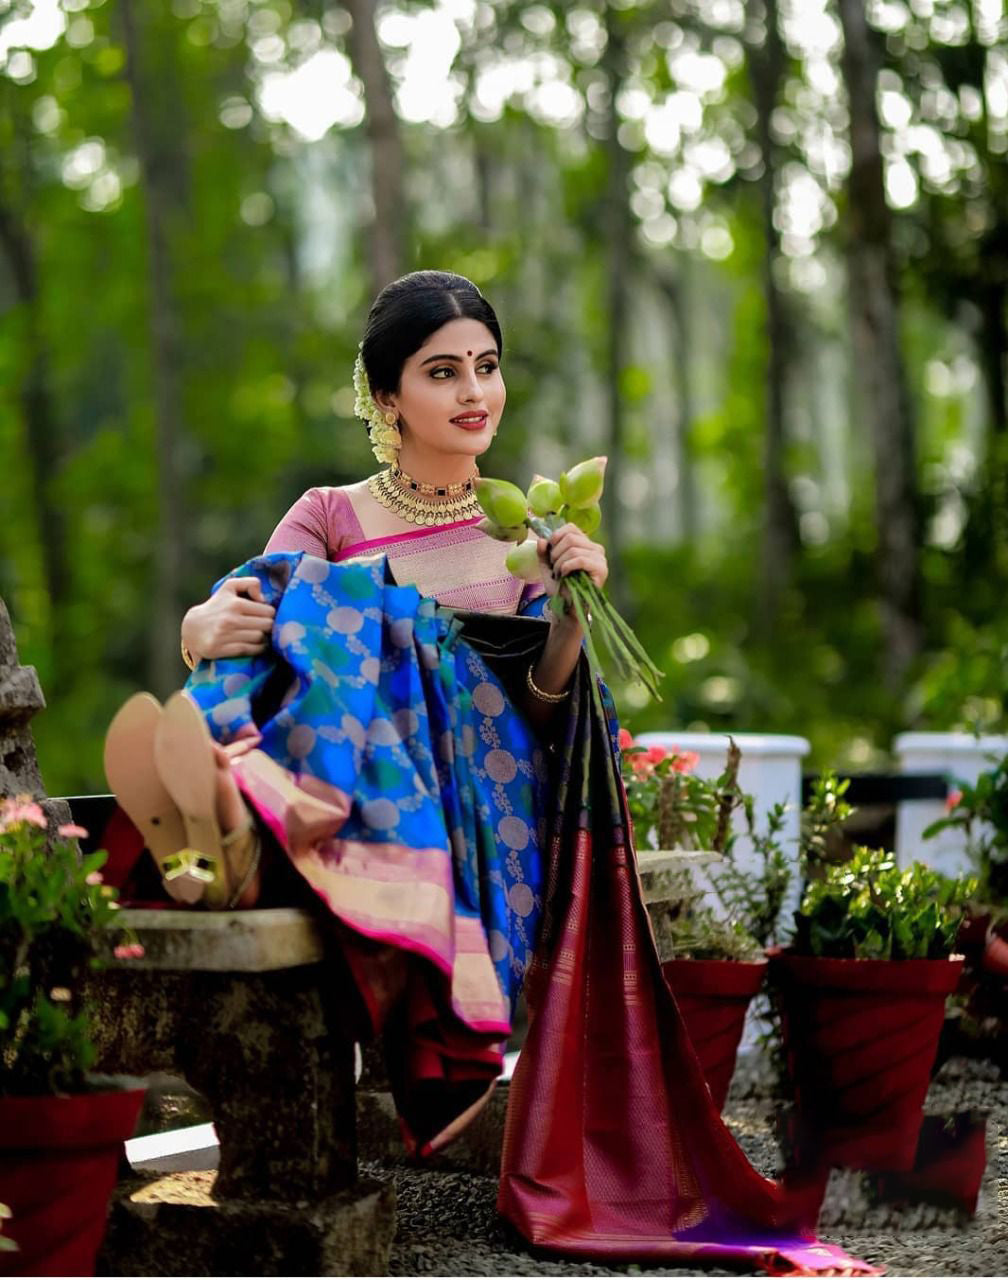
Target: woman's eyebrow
column 492, row 351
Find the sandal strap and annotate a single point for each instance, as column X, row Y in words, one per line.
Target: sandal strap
column 255, row 857
column 234, row 836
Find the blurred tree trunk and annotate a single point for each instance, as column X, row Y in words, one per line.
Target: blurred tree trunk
column 152, row 130
column 618, row 258
column 386, row 235
column 879, row 369
column 993, row 344
column 992, row 301
column 767, row 64
column 44, row 443
column 675, row 290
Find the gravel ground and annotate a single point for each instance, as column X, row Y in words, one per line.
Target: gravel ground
column 447, row 1223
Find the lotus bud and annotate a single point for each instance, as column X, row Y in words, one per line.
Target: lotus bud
column 517, row 533
column 523, row 561
column 587, row 519
column 544, row 497
column 503, row 502
column 582, row 485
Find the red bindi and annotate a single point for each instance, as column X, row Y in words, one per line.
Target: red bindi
column 468, row 353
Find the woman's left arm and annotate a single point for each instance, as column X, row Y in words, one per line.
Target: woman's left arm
column 568, row 549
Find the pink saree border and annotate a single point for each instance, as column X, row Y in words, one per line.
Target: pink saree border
column 374, row 886
column 395, row 539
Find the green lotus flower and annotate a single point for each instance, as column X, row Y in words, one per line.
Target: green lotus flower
column 544, row 496
column 587, row 519
column 582, row 485
column 523, row 561
column 516, row 533
column 502, row 501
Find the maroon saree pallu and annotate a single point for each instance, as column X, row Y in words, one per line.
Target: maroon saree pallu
column 614, row 1148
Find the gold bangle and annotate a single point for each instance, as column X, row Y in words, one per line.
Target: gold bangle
column 541, row 694
column 187, row 658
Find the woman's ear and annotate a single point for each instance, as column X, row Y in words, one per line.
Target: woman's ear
column 384, row 400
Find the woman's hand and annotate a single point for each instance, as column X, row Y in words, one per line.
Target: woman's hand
column 233, row 623
column 566, row 550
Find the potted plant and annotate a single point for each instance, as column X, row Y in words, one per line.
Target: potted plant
column 713, row 962
column 862, row 993
column 61, row 1131
column 7, row 1245
column 980, row 811
column 978, row 1024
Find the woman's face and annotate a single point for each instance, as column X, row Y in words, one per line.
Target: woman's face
column 451, row 393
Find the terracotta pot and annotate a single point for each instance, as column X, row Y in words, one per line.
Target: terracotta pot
column 59, row 1161
column 860, row 1038
column 950, row 1164
column 713, row 996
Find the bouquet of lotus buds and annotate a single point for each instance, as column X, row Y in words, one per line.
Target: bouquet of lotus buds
column 549, row 504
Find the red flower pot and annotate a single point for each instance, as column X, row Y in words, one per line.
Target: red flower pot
column 713, row 996
column 59, row 1161
column 950, row 1164
column 861, row 1037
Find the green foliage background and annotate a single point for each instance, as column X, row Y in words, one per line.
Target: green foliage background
column 266, row 235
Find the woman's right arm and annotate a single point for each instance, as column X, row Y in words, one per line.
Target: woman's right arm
column 235, row 621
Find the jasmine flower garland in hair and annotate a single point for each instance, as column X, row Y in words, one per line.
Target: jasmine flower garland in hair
column 385, row 437
column 548, row 505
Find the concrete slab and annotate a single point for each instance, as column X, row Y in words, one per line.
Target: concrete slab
column 224, row 941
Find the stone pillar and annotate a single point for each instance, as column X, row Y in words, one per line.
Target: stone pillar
column 20, row 698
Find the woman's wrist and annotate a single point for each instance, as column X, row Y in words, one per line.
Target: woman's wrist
column 189, row 644
column 565, row 624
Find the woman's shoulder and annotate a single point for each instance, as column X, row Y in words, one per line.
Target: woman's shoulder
column 320, row 522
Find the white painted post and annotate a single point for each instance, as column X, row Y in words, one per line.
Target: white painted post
column 959, row 756
column 770, row 770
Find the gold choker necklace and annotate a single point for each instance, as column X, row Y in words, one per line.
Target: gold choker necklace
column 424, row 504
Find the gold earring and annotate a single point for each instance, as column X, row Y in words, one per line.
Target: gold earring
column 391, row 418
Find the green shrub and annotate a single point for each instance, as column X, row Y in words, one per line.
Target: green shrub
column 55, row 918
column 868, row 908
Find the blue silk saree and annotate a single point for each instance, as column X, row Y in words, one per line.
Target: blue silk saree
column 459, row 857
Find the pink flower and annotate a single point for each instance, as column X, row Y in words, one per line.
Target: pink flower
column 641, row 765
column 71, row 831
column 93, row 877
column 685, row 761
column 129, row 951
column 625, row 739
column 655, row 755
column 953, row 800
column 21, row 809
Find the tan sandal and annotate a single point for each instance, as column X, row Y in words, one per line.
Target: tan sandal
column 134, row 779
column 183, row 755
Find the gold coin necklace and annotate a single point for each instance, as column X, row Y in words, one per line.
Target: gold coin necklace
column 424, row 504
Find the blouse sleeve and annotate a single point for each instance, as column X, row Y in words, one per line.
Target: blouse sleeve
column 319, row 523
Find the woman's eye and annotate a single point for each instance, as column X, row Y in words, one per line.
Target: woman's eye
column 488, row 366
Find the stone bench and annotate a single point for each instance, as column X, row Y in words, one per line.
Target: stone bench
column 244, row 1006
column 478, row 1148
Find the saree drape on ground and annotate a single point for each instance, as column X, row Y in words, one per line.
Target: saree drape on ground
column 378, row 741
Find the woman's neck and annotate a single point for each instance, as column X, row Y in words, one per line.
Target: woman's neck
column 436, row 468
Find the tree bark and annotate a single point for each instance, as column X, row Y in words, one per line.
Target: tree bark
column 159, row 198
column 44, row 443
column 880, row 373
column 675, row 290
column 618, row 240
column 993, row 346
column 386, row 233
column 767, row 64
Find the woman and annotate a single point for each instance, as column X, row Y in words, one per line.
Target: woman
column 426, row 750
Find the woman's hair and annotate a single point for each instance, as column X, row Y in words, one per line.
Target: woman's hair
column 408, row 311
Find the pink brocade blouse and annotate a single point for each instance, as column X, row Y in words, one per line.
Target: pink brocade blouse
column 457, row 564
